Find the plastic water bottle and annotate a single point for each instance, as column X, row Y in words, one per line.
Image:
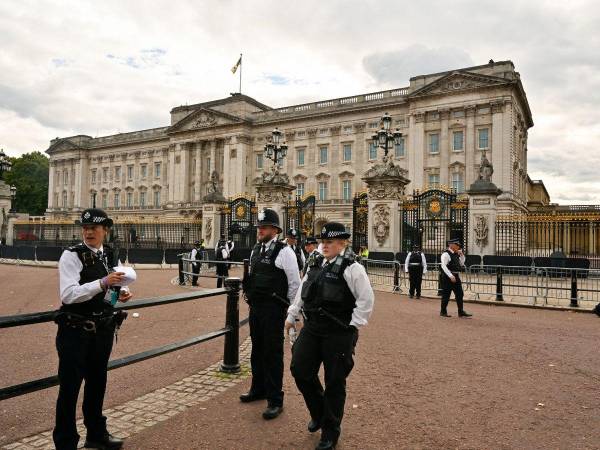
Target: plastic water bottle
column 292, row 335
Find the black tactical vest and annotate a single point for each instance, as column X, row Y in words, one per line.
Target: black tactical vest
column 415, row 257
column 454, row 264
column 310, row 261
column 326, row 288
column 265, row 278
column 219, row 253
column 298, row 254
column 93, row 269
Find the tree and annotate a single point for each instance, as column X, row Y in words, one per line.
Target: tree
column 29, row 174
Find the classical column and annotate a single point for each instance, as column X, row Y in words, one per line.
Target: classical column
column 184, row 173
column 172, row 182
column 359, row 151
column 51, row 187
column 444, row 147
column 500, row 156
column 335, row 163
column 470, row 145
column 197, row 177
column 417, row 155
column 82, row 194
column 229, row 167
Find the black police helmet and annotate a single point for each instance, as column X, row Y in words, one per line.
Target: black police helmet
column 94, row 216
column 292, row 232
column 455, row 241
column 270, row 217
column 311, row 241
column 334, row 230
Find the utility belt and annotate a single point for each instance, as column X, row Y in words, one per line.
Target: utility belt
column 320, row 315
column 91, row 323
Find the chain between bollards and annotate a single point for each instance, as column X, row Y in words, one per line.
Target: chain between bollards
column 231, row 350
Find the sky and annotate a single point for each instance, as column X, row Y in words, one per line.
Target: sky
column 99, row 68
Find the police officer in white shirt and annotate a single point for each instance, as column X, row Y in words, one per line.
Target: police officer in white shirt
column 292, row 241
column 337, row 298
column 452, row 263
column 270, row 287
column 416, row 266
column 86, row 327
column 310, row 247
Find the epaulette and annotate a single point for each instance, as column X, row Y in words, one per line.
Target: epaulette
column 76, row 248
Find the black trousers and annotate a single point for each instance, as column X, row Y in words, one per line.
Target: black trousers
column 321, row 342
column 266, row 333
column 195, row 269
column 82, row 356
column 415, row 277
column 222, row 271
column 447, row 288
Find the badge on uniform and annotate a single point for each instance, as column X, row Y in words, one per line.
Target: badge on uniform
column 88, row 259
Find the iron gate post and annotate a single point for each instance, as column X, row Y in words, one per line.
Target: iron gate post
column 574, row 303
column 231, row 350
column 499, row 294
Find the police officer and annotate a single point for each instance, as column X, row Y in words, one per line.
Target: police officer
column 270, row 286
column 452, row 262
column 196, row 255
column 292, row 241
column 86, row 327
column 310, row 247
column 416, row 266
column 222, row 256
column 338, row 299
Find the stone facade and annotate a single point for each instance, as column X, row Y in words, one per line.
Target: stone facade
column 447, row 120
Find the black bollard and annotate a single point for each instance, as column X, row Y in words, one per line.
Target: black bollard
column 180, row 269
column 574, row 303
column 396, row 277
column 499, row 295
column 231, row 352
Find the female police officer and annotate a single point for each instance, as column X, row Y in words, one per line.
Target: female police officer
column 86, row 326
column 337, row 299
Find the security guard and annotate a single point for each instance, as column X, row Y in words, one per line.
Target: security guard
column 86, row 327
column 292, row 241
column 452, row 262
column 338, row 299
column 221, row 254
column 416, row 266
column 196, row 255
column 270, row 287
column 310, row 247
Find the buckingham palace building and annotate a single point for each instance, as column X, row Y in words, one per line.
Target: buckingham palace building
column 447, row 121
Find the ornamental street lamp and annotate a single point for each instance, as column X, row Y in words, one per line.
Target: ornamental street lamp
column 13, row 196
column 274, row 149
column 384, row 137
column 5, row 164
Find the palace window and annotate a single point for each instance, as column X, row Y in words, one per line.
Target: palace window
column 347, row 189
column 458, row 184
column 299, row 189
column 157, row 199
column 117, row 173
column 483, row 138
column 144, row 171
column 347, row 152
column 259, row 161
column 157, row 170
column 372, row 151
column 93, row 175
column 65, row 177
column 129, row 199
column 104, row 200
column 117, row 202
column 323, row 190
column 457, row 140
column 434, row 144
column 143, row 198
column 300, row 156
column 434, row 180
column 399, row 148
column 105, row 174
column 64, row 200
column 130, row 173
column 323, row 156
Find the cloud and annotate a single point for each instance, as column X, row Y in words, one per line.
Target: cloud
column 396, row 67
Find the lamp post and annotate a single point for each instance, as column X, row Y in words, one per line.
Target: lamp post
column 5, row 164
column 384, row 137
column 13, row 196
column 275, row 150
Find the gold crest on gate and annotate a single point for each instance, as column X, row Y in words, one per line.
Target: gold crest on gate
column 240, row 212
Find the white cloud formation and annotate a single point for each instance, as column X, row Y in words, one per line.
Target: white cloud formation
column 82, row 67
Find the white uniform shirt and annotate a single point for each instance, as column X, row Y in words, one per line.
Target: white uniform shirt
column 286, row 260
column 445, row 260
column 358, row 282
column 194, row 253
column 422, row 259
column 69, row 268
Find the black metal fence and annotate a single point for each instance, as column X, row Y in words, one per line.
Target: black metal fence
column 126, row 235
column 230, row 331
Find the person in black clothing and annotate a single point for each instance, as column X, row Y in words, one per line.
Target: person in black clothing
column 196, row 255
column 292, row 241
column 416, row 266
column 337, row 298
column 222, row 256
column 86, row 327
column 310, row 247
column 269, row 287
column 452, row 262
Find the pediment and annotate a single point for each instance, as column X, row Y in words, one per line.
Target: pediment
column 62, row 145
column 204, row 118
column 459, row 81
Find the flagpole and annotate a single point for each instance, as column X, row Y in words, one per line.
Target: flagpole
column 241, row 73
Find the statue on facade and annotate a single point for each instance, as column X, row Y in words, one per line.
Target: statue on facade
column 214, row 195
column 485, row 169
